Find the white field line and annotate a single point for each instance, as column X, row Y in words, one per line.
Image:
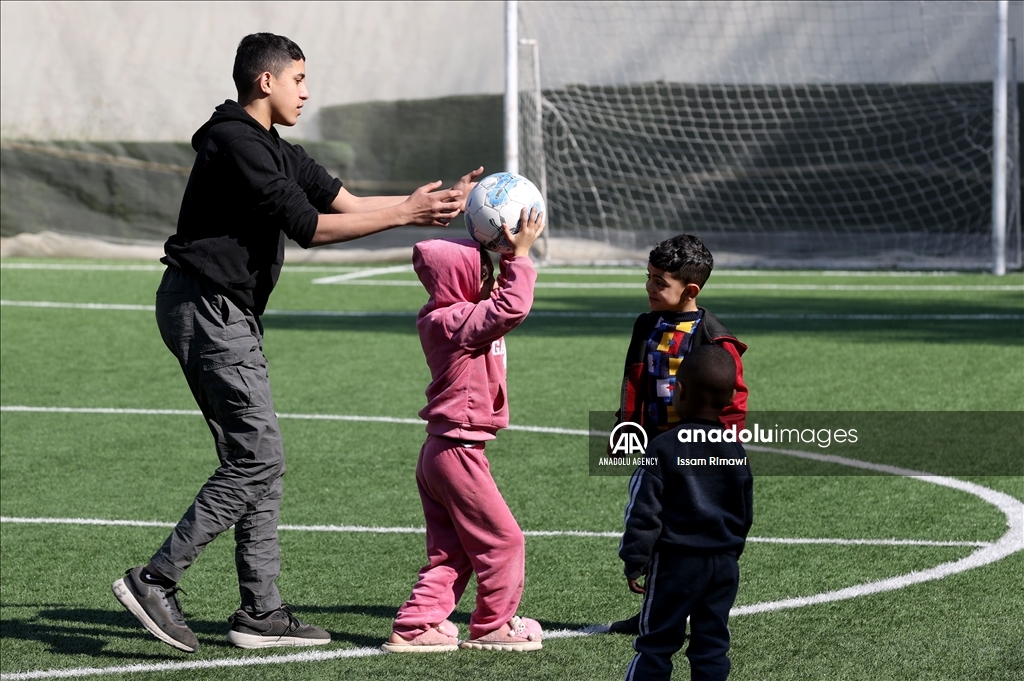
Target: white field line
column 411, row 283
column 89, row 267
column 75, row 306
column 868, row 287
column 362, row 274
column 720, row 287
column 316, row 656
column 640, row 270
column 305, row 417
column 1011, row 542
column 72, row 267
column 101, row 410
column 853, row 317
column 366, row 529
column 591, row 271
column 549, row 313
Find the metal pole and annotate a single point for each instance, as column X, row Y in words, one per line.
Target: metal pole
column 1013, row 222
column 538, row 121
column 511, row 86
column 999, row 142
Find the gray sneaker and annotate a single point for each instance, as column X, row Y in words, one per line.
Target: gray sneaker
column 156, row 608
column 279, row 628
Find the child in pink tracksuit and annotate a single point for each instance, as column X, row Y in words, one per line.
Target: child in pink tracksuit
column 469, row 526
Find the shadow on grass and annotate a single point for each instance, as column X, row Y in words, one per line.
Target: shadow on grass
column 885, row 319
column 89, row 631
column 80, row 631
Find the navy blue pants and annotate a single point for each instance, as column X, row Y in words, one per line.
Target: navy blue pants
column 702, row 588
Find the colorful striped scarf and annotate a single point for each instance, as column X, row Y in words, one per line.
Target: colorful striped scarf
column 668, row 344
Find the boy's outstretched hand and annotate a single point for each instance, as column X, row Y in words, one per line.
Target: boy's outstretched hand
column 530, row 227
column 428, row 208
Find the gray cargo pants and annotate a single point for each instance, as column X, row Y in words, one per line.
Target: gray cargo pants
column 220, row 350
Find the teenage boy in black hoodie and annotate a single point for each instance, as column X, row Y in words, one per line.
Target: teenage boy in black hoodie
column 248, row 191
column 686, row 525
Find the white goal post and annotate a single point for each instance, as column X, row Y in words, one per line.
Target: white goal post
column 824, row 133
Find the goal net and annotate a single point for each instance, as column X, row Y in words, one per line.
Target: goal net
column 831, row 134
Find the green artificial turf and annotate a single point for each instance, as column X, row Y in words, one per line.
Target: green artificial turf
column 921, row 346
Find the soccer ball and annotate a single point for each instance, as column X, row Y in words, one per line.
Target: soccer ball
column 498, row 199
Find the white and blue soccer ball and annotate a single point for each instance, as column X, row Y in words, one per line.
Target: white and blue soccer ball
column 496, row 199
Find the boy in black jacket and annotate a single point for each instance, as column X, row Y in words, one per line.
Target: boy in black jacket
column 686, row 525
column 248, row 191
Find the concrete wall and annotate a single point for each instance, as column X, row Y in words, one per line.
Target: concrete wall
column 763, row 42
column 154, row 71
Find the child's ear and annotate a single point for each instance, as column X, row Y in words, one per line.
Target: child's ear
column 690, row 291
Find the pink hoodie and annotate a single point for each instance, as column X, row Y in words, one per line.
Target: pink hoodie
column 463, row 336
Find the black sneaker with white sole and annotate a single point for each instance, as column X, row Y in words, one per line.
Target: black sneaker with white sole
column 274, row 629
column 157, row 608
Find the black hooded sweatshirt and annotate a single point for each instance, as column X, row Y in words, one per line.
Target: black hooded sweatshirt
column 249, row 189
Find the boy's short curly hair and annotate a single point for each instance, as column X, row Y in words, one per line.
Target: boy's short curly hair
column 710, row 373
column 261, row 52
column 685, row 257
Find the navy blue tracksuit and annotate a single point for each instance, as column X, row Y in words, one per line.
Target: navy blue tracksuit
column 687, row 521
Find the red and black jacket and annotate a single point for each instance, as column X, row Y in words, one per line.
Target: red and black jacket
column 634, row 384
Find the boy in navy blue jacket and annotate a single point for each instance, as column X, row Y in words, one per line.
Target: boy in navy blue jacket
column 686, row 525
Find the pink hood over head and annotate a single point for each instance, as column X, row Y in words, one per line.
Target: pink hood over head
column 463, row 337
column 449, row 270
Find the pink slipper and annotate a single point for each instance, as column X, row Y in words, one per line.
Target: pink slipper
column 523, row 634
column 440, row 638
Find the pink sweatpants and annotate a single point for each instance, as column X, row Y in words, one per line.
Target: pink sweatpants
column 469, row 529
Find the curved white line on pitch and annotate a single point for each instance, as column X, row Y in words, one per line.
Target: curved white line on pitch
column 1011, row 542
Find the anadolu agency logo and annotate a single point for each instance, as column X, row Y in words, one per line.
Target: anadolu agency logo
column 627, row 439
column 627, row 448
